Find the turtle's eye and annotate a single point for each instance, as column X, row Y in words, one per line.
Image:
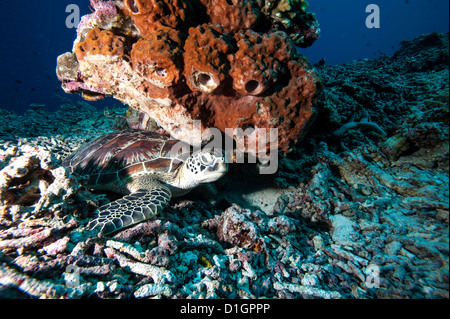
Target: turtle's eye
column 207, row 159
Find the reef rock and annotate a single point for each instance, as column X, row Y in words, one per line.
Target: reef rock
column 194, row 65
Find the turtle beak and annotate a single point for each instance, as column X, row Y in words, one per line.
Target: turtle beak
column 221, row 167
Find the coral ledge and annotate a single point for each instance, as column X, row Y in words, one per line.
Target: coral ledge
column 223, row 63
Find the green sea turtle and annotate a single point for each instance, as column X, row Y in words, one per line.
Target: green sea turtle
column 146, row 167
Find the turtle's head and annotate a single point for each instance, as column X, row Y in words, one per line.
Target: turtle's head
column 205, row 166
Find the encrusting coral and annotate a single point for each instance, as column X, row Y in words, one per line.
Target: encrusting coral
column 291, row 16
column 223, row 63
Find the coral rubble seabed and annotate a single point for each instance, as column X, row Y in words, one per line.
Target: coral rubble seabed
column 360, row 215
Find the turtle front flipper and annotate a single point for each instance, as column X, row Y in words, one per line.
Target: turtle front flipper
column 131, row 209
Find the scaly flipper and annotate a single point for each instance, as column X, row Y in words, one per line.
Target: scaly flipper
column 131, row 209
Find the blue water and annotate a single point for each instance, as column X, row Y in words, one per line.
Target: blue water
column 35, row 34
column 345, row 37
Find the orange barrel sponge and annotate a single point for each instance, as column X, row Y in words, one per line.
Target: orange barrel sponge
column 260, row 60
column 151, row 15
column 291, row 107
column 100, row 42
column 158, row 58
column 206, row 62
column 233, row 15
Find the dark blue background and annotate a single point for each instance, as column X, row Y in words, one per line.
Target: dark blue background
column 34, row 34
